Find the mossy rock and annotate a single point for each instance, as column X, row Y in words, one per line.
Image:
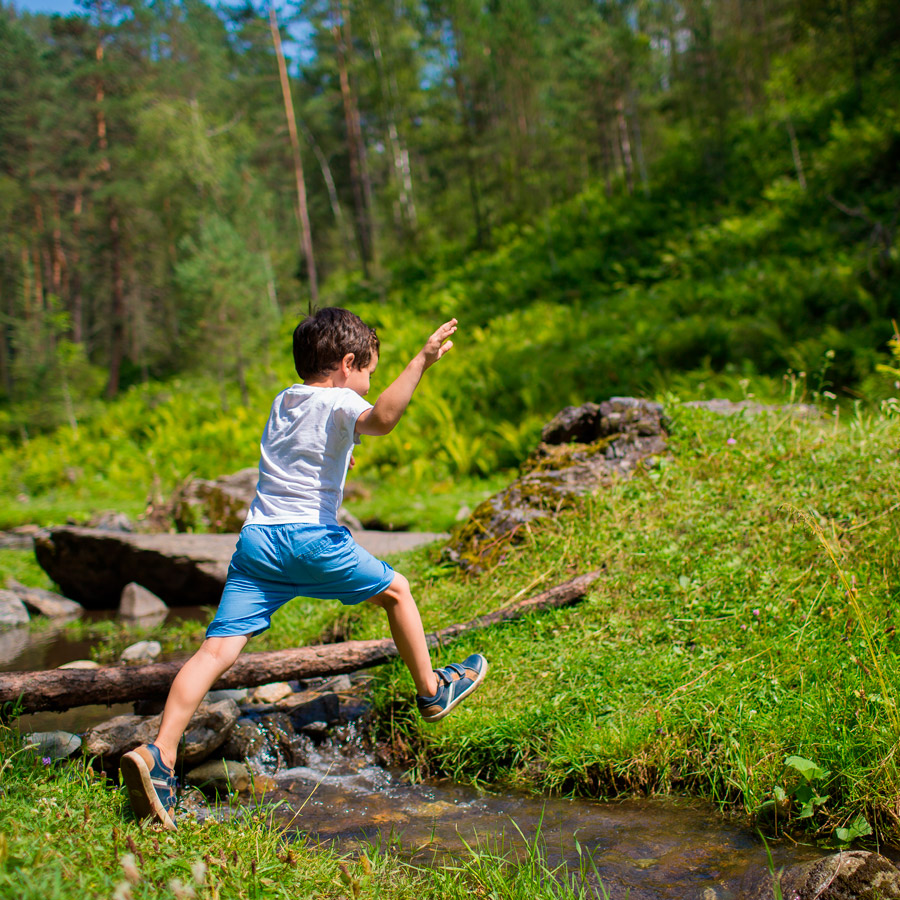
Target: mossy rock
column 623, row 431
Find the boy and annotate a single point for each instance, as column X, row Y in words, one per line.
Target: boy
column 291, row 544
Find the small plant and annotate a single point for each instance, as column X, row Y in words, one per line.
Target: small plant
column 808, row 793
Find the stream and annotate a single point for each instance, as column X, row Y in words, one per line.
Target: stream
column 639, row 849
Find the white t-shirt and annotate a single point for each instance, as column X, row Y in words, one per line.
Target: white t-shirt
column 305, row 452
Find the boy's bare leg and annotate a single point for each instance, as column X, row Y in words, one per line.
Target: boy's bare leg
column 408, row 634
column 215, row 656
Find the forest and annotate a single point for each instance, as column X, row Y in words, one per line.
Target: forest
column 665, row 186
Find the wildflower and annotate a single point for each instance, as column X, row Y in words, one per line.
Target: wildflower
column 46, row 760
column 755, row 612
column 743, row 627
column 731, row 440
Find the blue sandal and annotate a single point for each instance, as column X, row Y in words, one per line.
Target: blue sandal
column 455, row 683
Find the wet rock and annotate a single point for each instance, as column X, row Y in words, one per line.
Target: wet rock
column 353, row 708
column 247, row 739
column 311, row 706
column 287, row 748
column 136, row 602
column 339, row 684
column 583, row 449
column 44, row 603
column 220, row 777
column 271, row 693
column 53, row 744
column 80, row 664
column 12, row 610
column 849, row 875
column 239, row 695
column 207, row 731
column 141, row 652
column 318, row 731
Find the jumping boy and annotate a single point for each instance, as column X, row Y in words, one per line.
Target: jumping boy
column 292, row 546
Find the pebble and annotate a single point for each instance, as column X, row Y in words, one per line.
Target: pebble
column 141, row 652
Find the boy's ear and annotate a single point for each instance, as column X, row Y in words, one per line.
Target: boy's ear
column 347, row 363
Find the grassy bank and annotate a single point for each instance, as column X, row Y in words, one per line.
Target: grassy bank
column 746, row 618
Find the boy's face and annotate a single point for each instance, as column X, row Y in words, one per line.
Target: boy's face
column 358, row 379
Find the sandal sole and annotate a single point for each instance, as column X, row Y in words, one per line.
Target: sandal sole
column 141, row 792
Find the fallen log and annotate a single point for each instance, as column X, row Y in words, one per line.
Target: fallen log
column 59, row 689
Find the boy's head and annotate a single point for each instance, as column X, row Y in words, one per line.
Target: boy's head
column 322, row 340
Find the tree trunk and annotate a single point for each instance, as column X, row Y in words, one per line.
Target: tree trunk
column 62, row 689
column 625, row 143
column 469, row 144
column 340, row 31
column 117, row 302
column 76, row 300
column 399, row 153
column 333, row 199
column 303, row 212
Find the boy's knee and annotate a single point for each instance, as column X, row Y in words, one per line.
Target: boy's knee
column 397, row 591
column 224, row 650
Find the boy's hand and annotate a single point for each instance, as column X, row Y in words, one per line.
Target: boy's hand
column 437, row 345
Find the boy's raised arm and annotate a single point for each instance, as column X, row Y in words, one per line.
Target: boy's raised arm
column 392, row 403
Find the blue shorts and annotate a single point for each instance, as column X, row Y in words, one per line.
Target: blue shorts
column 275, row 563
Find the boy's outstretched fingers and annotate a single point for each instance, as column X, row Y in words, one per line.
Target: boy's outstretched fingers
column 437, row 345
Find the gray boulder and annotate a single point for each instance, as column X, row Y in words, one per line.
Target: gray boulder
column 94, row 566
column 136, row 602
column 583, row 449
column 849, row 875
column 182, row 569
column 206, row 732
column 53, row 744
column 218, row 506
column 12, row 610
column 43, row 602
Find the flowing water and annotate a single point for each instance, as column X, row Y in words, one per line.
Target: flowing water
column 638, row 849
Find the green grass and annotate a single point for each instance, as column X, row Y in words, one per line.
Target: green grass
column 740, row 646
column 721, row 641
column 63, row 834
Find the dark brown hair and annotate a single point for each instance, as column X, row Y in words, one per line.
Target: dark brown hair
column 323, row 339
